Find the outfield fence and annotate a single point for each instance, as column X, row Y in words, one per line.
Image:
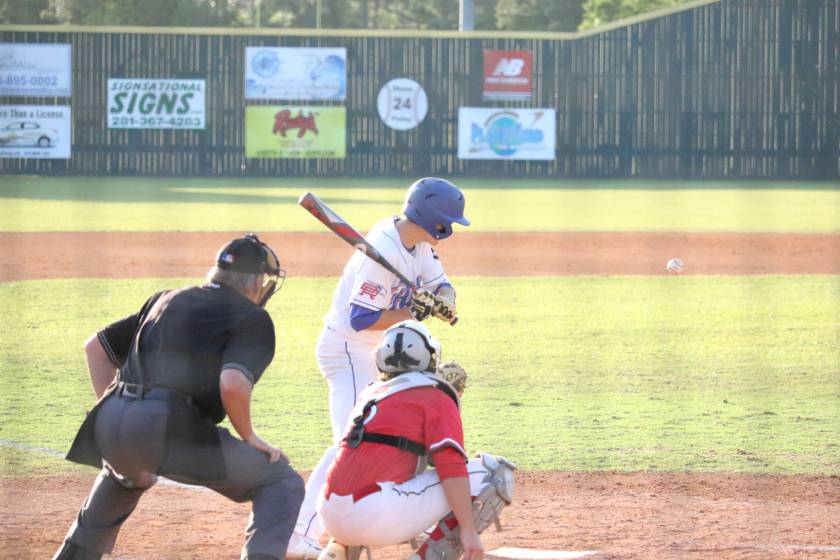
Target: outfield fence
column 729, row 88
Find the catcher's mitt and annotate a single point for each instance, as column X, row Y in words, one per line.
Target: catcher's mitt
column 453, row 373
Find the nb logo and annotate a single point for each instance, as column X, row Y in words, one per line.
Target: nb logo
column 509, row 67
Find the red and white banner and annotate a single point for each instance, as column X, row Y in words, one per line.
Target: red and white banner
column 507, row 75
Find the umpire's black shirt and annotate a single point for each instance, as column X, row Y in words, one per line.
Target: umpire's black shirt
column 183, row 339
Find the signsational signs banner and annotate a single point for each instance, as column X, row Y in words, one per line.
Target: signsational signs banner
column 35, row 70
column 507, row 75
column 297, row 132
column 295, row 73
column 176, row 104
column 506, row 133
column 35, row 131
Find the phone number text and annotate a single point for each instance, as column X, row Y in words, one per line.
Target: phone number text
column 120, row 121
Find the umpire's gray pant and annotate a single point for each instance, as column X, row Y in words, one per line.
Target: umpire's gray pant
column 131, row 435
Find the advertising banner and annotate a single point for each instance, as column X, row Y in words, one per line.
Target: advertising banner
column 35, row 131
column 176, row 104
column 36, row 70
column 506, row 133
column 295, row 73
column 507, row 75
column 402, row 104
column 297, row 132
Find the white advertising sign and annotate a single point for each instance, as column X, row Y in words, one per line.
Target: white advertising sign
column 402, row 104
column 35, row 70
column 292, row 73
column 35, row 131
column 176, row 104
column 506, row 133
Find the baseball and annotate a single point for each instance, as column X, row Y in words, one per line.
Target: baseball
column 675, row 266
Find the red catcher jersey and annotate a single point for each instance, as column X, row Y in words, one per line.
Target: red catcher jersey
column 426, row 415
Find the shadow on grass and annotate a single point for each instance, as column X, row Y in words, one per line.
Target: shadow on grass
column 218, row 189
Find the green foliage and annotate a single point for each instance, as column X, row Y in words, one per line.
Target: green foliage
column 536, row 15
column 575, row 373
column 26, row 12
column 151, row 12
column 600, row 12
column 514, row 15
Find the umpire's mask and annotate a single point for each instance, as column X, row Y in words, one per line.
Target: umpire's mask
column 249, row 255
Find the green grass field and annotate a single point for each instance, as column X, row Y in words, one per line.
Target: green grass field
column 721, row 373
column 143, row 204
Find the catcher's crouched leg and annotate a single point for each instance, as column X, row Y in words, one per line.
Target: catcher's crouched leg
column 497, row 492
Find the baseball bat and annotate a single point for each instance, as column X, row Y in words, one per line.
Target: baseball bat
column 348, row 233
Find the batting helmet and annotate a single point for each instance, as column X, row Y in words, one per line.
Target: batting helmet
column 407, row 346
column 433, row 204
column 249, row 255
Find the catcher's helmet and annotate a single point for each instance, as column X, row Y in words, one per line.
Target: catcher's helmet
column 433, row 204
column 407, row 346
column 249, row 255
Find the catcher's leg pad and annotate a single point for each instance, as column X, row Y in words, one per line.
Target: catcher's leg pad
column 445, row 541
column 496, row 494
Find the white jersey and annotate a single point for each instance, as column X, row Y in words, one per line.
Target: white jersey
column 368, row 284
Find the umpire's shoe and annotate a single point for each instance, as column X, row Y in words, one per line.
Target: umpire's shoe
column 71, row 551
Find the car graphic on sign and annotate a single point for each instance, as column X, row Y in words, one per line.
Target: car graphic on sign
column 27, row 133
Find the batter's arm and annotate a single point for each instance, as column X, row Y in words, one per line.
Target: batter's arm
column 101, row 369
column 390, row 317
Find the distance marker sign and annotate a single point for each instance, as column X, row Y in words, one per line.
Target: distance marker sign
column 402, row 104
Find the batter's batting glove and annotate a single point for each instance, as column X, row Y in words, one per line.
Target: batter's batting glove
column 444, row 309
column 422, row 304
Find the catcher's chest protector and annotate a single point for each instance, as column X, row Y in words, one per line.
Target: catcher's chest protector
column 404, row 382
column 365, row 411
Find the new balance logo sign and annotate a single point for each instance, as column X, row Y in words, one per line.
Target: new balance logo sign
column 509, row 67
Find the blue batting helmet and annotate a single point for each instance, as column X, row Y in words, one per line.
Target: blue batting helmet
column 433, row 204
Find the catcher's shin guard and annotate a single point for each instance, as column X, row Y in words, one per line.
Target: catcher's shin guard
column 497, row 494
column 445, row 541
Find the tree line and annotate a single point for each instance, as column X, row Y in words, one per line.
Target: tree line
column 489, row 15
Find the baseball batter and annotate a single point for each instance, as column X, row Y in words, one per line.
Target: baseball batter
column 369, row 299
column 374, row 496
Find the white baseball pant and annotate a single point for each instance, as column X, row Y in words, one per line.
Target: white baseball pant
column 348, row 367
column 396, row 513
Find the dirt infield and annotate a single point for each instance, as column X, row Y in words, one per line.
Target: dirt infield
column 144, row 254
column 634, row 516
column 671, row 516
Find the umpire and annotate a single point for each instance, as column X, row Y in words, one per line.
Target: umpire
column 165, row 377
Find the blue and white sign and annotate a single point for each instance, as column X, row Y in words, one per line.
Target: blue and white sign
column 35, row 70
column 295, row 73
column 506, row 133
column 35, row 131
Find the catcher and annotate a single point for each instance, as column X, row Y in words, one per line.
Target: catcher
column 377, row 493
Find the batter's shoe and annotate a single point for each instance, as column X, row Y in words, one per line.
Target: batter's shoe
column 333, row 551
column 303, row 548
